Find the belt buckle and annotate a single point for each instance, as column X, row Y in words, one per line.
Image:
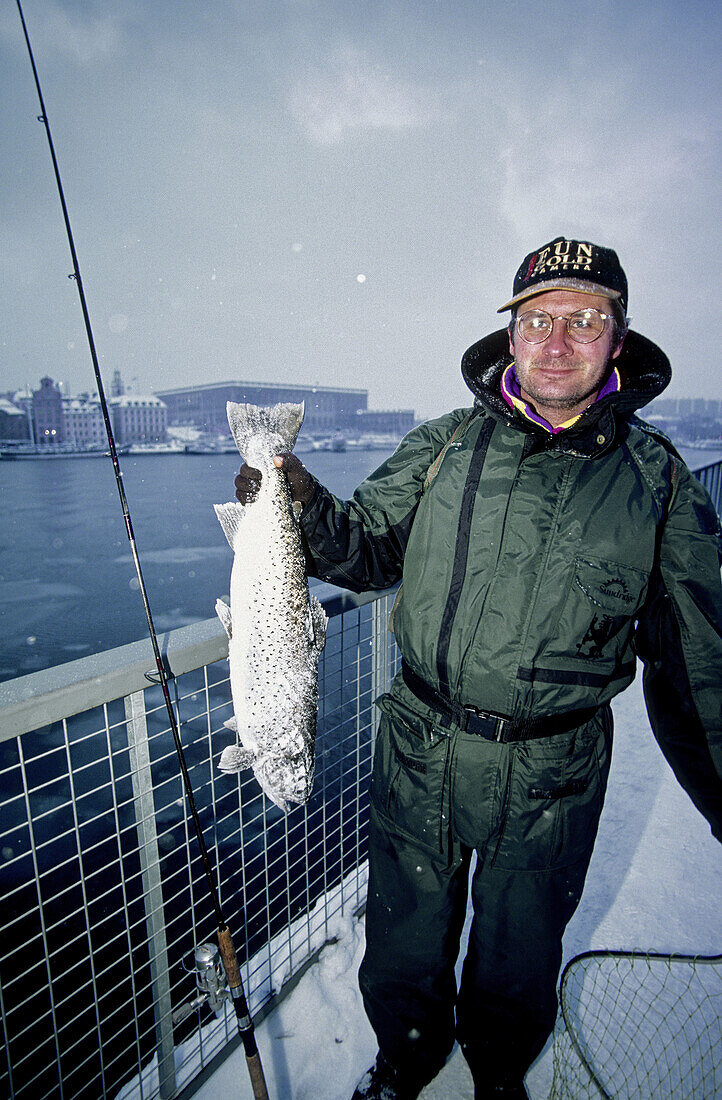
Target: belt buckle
column 485, row 715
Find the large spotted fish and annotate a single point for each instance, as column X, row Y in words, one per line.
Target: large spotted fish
column 275, row 630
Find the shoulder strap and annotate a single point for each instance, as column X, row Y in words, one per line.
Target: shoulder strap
column 456, row 437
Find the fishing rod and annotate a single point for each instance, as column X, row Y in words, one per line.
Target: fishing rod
column 225, row 942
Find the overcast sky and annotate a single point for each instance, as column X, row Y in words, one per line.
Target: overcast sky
column 339, row 192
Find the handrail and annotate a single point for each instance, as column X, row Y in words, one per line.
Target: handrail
column 40, row 698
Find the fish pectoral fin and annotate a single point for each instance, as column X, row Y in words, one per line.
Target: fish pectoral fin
column 223, row 612
column 318, row 624
column 230, row 516
column 232, row 725
column 235, row 758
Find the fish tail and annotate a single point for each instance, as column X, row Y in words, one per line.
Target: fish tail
column 279, row 424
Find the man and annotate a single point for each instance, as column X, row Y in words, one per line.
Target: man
column 544, row 537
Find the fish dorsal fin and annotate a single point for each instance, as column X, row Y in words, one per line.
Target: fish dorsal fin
column 223, row 612
column 279, row 424
column 319, row 622
column 229, row 517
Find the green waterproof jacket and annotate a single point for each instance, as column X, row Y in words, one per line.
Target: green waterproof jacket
column 537, row 567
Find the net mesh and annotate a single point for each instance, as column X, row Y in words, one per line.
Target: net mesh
column 639, row 1025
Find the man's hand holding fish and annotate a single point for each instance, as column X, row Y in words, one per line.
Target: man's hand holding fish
column 300, row 482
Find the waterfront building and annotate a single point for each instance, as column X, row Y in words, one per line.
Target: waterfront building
column 48, row 420
column 23, row 399
column 687, row 419
column 83, row 422
column 390, row 422
column 13, row 422
column 328, row 408
column 138, row 419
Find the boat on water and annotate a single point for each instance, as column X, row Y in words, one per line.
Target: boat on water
column 156, row 448
column 336, row 442
column 34, row 451
column 211, row 447
column 374, row 442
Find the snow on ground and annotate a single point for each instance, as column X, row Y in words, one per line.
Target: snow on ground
column 654, row 884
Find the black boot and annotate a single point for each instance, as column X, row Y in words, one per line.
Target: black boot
column 383, row 1082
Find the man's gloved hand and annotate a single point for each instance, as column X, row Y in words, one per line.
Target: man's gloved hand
column 248, row 480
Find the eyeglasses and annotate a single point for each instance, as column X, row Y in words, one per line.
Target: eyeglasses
column 535, row 326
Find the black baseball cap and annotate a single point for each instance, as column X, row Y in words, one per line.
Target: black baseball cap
column 565, row 264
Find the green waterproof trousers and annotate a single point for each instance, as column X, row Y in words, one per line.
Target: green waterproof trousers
column 530, row 811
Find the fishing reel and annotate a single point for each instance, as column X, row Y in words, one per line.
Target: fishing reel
column 211, row 982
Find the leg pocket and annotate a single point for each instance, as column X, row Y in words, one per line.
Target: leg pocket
column 553, row 799
column 409, row 780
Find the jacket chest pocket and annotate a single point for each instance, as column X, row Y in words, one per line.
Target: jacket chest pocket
column 601, row 604
column 409, row 780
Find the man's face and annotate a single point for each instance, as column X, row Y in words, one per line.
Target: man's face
column 559, row 376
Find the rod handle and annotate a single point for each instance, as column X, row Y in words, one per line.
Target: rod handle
column 258, row 1081
column 245, row 1023
column 230, row 962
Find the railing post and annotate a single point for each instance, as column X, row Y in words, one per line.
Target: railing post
column 140, row 773
column 379, row 660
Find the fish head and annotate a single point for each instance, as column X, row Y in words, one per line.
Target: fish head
column 287, row 780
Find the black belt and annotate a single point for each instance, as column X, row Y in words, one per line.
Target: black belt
column 494, row 727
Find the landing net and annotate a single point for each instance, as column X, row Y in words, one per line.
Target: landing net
column 639, row 1025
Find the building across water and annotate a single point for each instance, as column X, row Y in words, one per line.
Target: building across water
column 689, row 420
column 49, row 418
column 328, row 408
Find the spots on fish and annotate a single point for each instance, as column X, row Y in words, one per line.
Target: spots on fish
column 276, row 633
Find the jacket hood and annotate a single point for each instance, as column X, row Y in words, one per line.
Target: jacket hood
column 644, row 369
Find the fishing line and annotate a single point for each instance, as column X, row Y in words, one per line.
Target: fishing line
column 225, row 943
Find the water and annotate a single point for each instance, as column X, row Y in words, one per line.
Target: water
column 68, row 586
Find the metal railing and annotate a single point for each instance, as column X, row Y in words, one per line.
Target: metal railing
column 711, row 478
column 103, row 894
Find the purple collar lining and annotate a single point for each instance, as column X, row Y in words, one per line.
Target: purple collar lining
column 511, row 392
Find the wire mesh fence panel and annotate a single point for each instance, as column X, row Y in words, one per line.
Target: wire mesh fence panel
column 636, row 1025
column 74, row 945
column 104, row 896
